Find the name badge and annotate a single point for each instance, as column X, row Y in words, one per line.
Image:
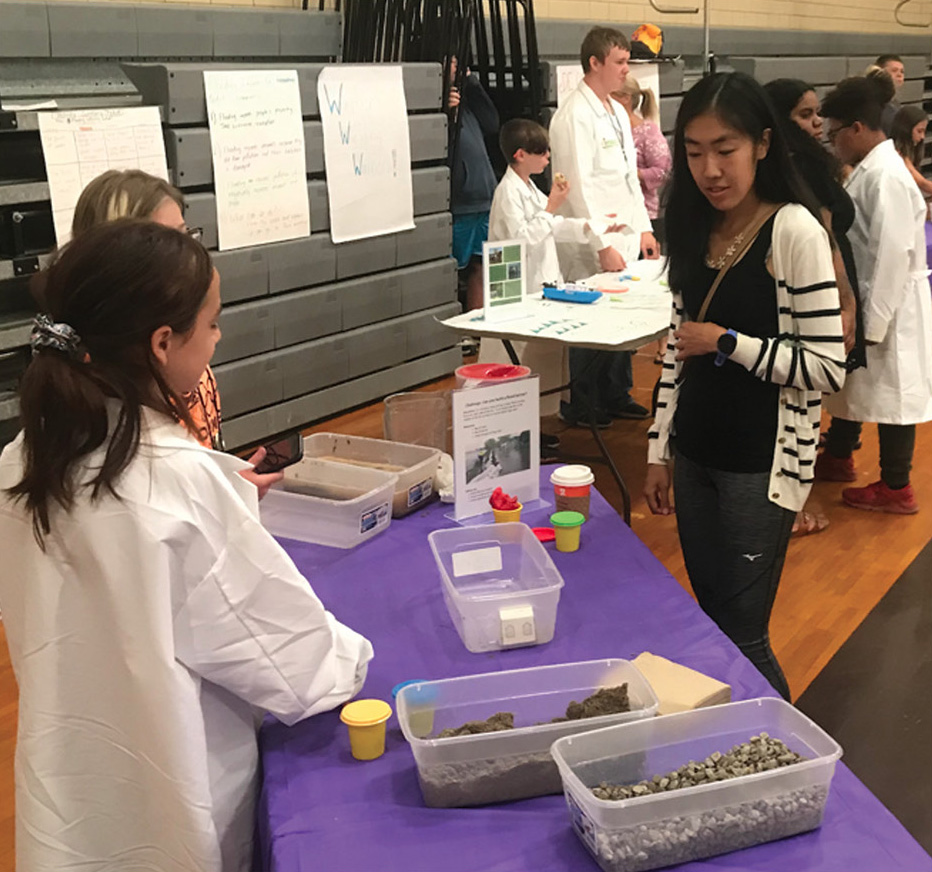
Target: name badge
column 609, row 143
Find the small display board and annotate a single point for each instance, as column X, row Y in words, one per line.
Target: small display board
column 504, row 279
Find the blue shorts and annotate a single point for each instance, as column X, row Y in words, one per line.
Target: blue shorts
column 469, row 232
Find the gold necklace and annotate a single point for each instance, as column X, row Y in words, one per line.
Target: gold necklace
column 719, row 262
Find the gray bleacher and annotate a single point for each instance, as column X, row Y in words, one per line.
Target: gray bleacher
column 310, row 328
column 822, row 59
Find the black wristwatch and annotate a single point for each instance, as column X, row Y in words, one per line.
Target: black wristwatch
column 726, row 343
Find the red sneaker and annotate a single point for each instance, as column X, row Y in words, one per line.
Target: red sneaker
column 831, row 468
column 877, row 497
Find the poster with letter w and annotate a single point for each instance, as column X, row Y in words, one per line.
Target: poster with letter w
column 367, row 150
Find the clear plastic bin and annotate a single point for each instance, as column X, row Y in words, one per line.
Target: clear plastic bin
column 511, row 764
column 680, row 826
column 419, row 418
column 329, row 503
column 500, row 585
column 415, row 465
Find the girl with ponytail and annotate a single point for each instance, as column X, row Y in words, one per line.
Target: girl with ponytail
column 148, row 613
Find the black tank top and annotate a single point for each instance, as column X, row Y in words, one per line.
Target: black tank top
column 725, row 417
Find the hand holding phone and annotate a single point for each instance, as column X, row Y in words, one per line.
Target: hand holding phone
column 281, row 453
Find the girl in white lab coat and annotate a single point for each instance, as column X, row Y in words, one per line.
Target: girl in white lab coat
column 135, row 194
column 888, row 241
column 149, row 616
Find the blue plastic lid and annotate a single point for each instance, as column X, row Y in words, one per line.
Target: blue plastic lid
column 426, row 694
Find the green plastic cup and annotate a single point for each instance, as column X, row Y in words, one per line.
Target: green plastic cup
column 566, row 525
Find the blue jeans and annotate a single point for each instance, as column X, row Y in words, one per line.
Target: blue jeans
column 734, row 542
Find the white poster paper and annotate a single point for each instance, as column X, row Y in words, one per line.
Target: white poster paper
column 257, row 146
column 504, row 279
column 647, row 74
column 496, row 443
column 568, row 77
column 79, row 146
column 367, row 150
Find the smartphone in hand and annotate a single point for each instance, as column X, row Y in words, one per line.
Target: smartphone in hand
column 281, row 453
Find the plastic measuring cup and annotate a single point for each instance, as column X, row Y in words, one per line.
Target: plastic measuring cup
column 365, row 720
column 572, row 485
column 418, row 705
column 566, row 525
column 507, row 516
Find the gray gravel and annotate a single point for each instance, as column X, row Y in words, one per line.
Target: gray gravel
column 688, row 837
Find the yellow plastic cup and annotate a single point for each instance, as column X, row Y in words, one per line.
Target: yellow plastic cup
column 566, row 526
column 365, row 720
column 507, row 516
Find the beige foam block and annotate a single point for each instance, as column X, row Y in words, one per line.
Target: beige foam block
column 678, row 687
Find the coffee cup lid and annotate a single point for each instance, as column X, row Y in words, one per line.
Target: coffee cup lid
column 573, row 475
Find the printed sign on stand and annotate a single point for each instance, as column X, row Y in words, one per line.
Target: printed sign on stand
column 496, row 443
column 504, row 280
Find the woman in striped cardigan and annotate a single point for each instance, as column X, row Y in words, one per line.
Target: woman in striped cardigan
column 740, row 395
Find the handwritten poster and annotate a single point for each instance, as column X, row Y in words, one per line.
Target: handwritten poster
column 568, row 77
column 257, row 146
column 367, row 150
column 79, row 146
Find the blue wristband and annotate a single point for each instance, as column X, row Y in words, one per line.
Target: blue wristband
column 721, row 356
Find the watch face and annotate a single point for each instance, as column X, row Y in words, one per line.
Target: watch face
column 727, row 343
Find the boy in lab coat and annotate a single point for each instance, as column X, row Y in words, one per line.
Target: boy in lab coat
column 593, row 147
column 520, row 210
column 888, row 242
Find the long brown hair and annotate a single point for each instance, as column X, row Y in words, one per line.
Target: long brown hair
column 121, row 194
column 114, row 286
column 901, row 132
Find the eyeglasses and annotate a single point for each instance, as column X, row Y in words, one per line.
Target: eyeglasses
column 831, row 134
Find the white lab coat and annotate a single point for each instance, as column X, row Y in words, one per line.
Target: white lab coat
column 141, row 639
column 600, row 162
column 519, row 211
column 888, row 240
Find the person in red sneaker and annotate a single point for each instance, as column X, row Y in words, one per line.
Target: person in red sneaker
column 888, row 239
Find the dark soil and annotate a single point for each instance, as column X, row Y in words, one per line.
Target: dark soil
column 605, row 701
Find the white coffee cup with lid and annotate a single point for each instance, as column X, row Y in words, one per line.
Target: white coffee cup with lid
column 572, row 485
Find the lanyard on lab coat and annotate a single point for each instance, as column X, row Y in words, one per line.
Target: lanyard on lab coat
column 619, row 134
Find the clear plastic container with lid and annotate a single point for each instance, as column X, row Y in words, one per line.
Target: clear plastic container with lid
column 329, row 503
column 500, row 585
column 415, row 465
column 509, row 764
column 679, row 826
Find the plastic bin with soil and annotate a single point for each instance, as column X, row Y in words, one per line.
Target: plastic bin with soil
column 509, row 777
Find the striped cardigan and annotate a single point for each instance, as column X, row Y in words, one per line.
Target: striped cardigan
column 806, row 359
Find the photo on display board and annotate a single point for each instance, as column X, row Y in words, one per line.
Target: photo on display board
column 498, row 456
column 505, row 279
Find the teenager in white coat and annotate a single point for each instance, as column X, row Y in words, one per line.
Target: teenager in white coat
column 888, row 241
column 150, row 618
column 594, row 149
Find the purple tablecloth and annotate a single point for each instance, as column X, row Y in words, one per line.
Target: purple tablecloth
column 322, row 811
